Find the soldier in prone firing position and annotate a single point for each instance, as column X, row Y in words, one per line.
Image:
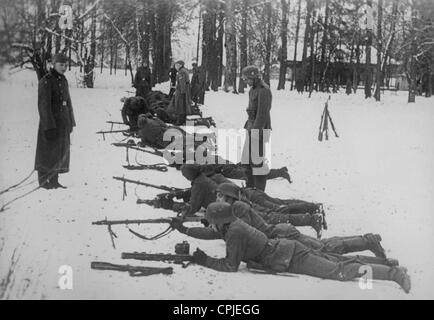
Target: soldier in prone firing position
column 334, row 245
column 245, row 243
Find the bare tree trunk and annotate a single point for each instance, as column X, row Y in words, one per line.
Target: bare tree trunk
column 111, row 49
column 267, row 62
column 90, row 61
column 312, row 53
column 243, row 42
column 368, row 70
column 284, row 51
column 307, row 33
column 220, row 48
column 324, row 44
column 294, row 62
column 231, row 48
column 379, row 75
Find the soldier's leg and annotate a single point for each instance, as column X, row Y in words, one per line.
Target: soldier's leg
column 343, row 245
column 233, row 171
column 250, row 183
column 260, row 182
column 308, row 262
column 279, row 173
column 298, row 220
column 43, row 180
column 373, row 260
column 305, row 207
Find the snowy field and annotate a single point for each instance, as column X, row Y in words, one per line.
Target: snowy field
column 377, row 177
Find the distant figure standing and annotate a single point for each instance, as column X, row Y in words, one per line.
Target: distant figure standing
column 182, row 98
column 55, row 125
column 142, row 80
column 172, row 75
column 198, row 83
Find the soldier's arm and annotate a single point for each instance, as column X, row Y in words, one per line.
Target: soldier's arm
column 182, row 82
column 202, row 233
column 44, row 105
column 264, row 106
column 124, row 114
column 71, row 110
column 235, row 248
column 196, row 199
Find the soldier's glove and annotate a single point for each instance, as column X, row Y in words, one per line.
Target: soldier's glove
column 199, row 257
column 51, row 134
column 166, row 202
column 176, row 223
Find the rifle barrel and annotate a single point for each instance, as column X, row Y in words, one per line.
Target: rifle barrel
column 142, row 221
column 114, row 222
column 157, row 256
column 164, row 188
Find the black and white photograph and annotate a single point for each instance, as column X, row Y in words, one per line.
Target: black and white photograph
column 216, row 150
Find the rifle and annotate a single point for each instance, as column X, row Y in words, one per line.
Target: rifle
column 175, row 258
column 116, row 122
column 135, row 147
column 125, row 131
column 164, row 203
column 106, row 222
column 323, row 126
column 134, row 271
column 164, row 188
column 158, row 167
column 110, row 223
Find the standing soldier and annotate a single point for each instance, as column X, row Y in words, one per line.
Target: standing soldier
column 202, row 84
column 172, row 75
column 258, row 127
column 182, row 99
column 55, row 125
column 142, row 80
column 195, row 84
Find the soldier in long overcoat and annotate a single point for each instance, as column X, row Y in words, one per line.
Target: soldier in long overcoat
column 142, row 81
column 258, row 127
column 55, row 125
column 181, row 103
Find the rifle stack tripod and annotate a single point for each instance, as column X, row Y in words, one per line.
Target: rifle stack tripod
column 324, row 124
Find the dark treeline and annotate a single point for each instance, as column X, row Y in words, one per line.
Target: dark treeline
column 318, row 45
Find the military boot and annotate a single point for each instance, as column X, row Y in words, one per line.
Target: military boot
column 54, row 182
column 401, row 277
column 285, row 174
column 43, row 181
column 373, row 243
column 396, row 274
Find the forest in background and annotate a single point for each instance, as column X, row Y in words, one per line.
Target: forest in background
column 323, row 43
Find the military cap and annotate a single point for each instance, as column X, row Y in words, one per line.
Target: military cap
column 250, row 72
column 219, row 213
column 59, row 57
column 180, row 62
column 230, row 190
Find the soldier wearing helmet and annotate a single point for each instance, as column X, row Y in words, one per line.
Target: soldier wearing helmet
column 258, row 112
column 245, row 243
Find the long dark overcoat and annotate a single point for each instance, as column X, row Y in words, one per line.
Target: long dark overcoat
column 181, row 102
column 55, row 112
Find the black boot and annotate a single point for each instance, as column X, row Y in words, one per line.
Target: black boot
column 374, row 245
column 54, row 182
column 260, row 182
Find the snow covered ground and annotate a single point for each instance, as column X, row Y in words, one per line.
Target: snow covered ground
column 376, row 177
